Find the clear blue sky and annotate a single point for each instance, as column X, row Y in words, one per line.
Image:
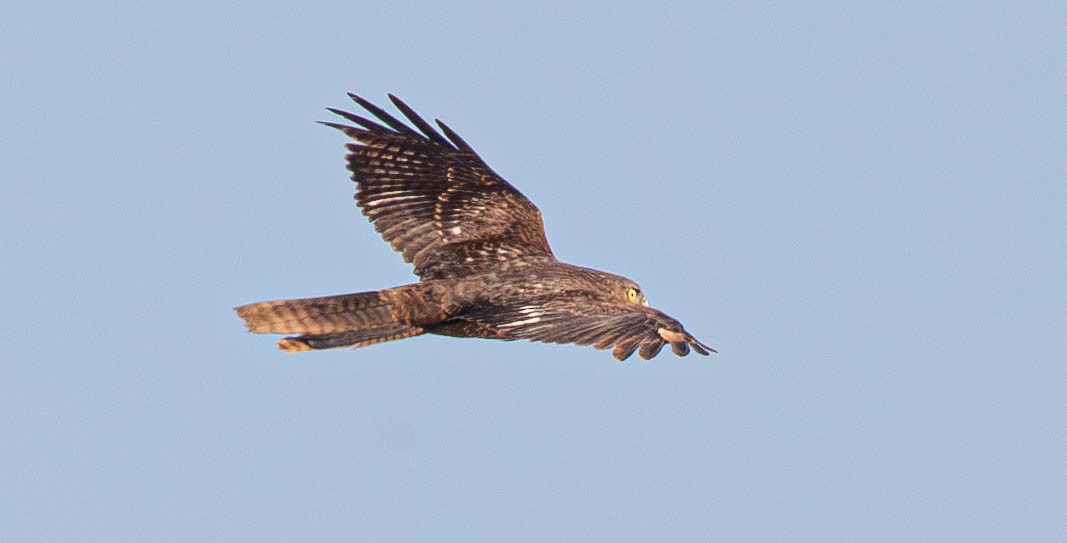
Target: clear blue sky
column 862, row 208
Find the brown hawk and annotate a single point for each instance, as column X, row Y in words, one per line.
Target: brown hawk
column 479, row 248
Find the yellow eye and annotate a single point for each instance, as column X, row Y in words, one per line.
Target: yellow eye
column 632, row 293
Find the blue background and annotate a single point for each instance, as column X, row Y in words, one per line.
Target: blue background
column 861, row 207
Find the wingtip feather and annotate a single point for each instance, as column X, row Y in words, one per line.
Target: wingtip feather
column 349, row 131
column 417, row 120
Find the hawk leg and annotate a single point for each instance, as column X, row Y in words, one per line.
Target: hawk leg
column 358, row 339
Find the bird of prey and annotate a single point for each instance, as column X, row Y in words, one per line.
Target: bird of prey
column 479, row 248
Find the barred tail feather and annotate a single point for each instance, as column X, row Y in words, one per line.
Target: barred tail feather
column 326, row 315
column 359, row 319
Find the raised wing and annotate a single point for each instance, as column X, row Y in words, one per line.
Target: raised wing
column 624, row 329
column 433, row 198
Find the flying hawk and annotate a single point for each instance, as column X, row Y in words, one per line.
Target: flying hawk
column 479, row 248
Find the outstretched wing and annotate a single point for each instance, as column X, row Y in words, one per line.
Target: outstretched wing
column 433, row 198
column 624, row 329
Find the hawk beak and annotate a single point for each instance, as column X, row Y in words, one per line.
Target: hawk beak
column 644, row 302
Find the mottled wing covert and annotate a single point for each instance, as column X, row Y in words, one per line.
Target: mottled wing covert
column 622, row 328
column 434, row 199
